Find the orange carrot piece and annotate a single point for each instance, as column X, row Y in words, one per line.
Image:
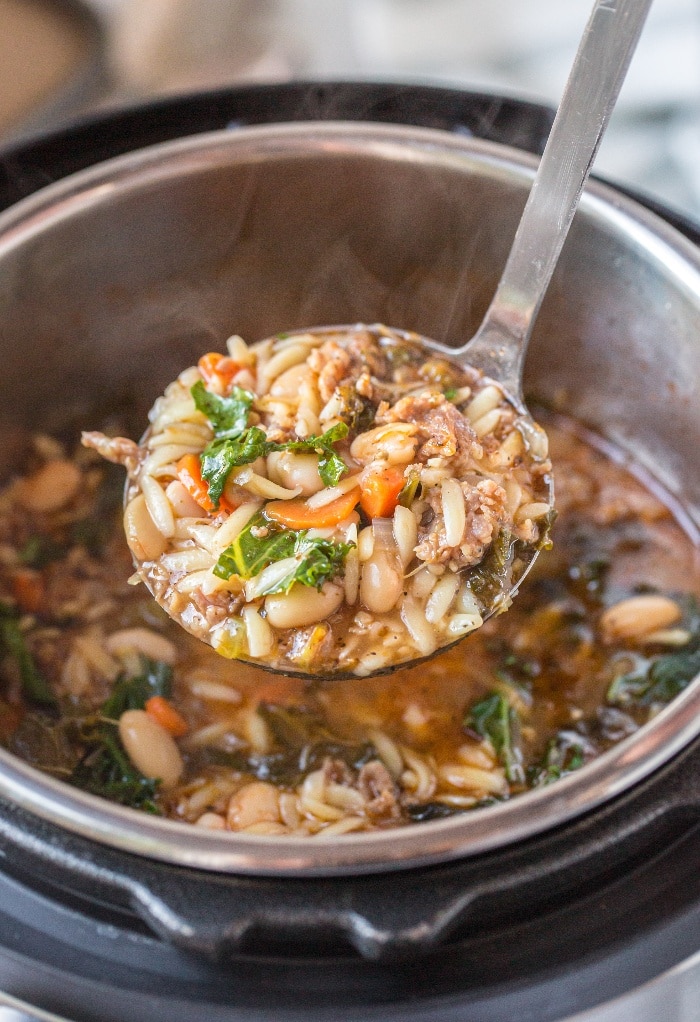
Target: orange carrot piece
column 296, row 514
column 165, row 714
column 380, row 491
column 218, row 371
column 29, row 590
column 189, row 472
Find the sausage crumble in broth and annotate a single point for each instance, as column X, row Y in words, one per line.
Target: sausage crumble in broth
column 334, row 501
column 100, row 688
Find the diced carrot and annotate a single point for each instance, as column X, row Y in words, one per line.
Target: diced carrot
column 296, row 514
column 189, row 472
column 29, row 590
column 281, row 690
column 218, row 371
column 165, row 714
column 380, row 491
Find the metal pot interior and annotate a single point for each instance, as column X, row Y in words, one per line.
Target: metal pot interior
column 115, row 279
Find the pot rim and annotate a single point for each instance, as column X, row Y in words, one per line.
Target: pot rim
column 607, row 776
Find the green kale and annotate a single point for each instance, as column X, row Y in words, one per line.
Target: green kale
column 330, row 465
column 105, row 769
column 318, row 560
column 35, row 687
column 566, row 752
column 495, row 719
column 222, row 455
column 227, row 415
column 492, row 577
column 663, row 677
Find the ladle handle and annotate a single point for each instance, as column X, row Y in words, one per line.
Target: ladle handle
column 601, row 63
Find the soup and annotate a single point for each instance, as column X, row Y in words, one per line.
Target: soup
column 333, row 501
column 101, row 689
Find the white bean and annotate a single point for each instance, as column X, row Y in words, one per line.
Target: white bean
column 257, row 802
column 141, row 640
column 145, row 540
column 295, row 471
column 51, row 488
column 150, row 748
column 637, row 616
column 303, row 605
column 381, row 582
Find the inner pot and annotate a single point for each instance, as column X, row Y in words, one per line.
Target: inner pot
column 115, row 279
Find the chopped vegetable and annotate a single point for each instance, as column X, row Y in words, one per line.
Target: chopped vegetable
column 495, row 719
column 227, row 415
column 297, row 514
column 566, row 752
column 165, row 714
column 331, row 466
column 29, row 590
column 105, row 769
column 221, row 456
column 40, row 550
column 492, row 577
column 189, row 472
column 317, row 560
column 380, row 490
column 218, row 370
column 35, row 687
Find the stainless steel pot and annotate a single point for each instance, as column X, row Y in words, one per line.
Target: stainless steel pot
column 113, row 280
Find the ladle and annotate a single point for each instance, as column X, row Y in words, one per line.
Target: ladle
column 499, row 346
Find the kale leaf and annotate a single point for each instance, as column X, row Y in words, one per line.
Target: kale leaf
column 105, row 768
column 494, row 718
column 331, row 466
column 317, row 560
column 35, row 687
column 566, row 752
column 222, row 455
column 227, row 415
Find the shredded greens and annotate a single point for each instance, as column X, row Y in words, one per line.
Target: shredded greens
column 105, row 769
column 35, row 687
column 495, row 719
column 236, row 444
column 259, row 544
column 661, row 678
column 565, row 752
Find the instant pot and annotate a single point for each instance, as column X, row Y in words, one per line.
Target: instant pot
column 534, row 910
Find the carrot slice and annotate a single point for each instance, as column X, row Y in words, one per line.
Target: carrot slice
column 218, row 371
column 296, row 514
column 165, row 714
column 29, row 590
column 380, row 491
column 189, row 472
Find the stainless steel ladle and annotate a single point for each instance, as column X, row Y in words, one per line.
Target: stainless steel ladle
column 499, row 346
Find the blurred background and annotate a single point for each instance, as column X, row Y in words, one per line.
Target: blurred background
column 63, row 58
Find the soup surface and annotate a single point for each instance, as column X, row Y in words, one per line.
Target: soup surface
column 100, row 688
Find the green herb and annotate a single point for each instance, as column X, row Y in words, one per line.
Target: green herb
column 495, row 719
column 451, row 393
column 35, row 687
column 492, row 577
column 133, row 692
column 409, row 490
column 330, row 465
column 318, row 560
column 356, row 410
column 221, row 456
column 425, row 812
column 228, row 415
column 660, row 679
column 105, row 768
column 225, row 453
column 565, row 753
